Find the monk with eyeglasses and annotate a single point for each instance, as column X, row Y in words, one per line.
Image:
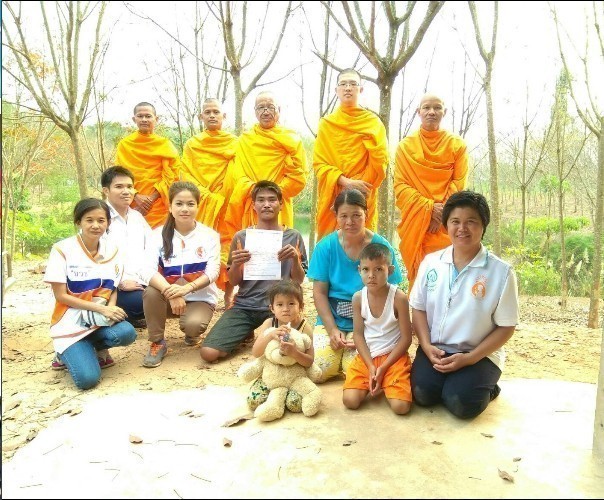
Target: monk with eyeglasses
column 351, row 152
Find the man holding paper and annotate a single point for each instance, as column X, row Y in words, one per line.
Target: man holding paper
column 256, row 255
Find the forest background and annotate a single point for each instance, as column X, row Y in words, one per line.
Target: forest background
column 522, row 83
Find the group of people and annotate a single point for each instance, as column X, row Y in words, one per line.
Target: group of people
column 172, row 231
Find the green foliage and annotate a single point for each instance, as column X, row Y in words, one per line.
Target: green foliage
column 537, row 278
column 36, row 234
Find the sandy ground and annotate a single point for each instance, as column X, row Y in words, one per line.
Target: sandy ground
column 549, row 344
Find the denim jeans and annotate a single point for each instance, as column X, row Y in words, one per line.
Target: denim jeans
column 131, row 303
column 466, row 392
column 81, row 359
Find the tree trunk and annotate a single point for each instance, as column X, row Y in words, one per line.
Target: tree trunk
column 239, row 97
column 495, row 211
column 563, row 270
column 385, row 207
column 79, row 163
column 523, row 220
column 594, row 300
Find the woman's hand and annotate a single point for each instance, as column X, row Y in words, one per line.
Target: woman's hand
column 452, row 363
column 178, row 305
column 433, row 353
column 337, row 340
column 174, row 291
column 113, row 313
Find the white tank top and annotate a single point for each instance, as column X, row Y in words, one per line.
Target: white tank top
column 381, row 334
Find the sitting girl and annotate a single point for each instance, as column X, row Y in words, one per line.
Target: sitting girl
column 286, row 303
column 84, row 272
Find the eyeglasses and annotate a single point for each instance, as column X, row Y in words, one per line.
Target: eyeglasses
column 262, row 109
column 348, row 84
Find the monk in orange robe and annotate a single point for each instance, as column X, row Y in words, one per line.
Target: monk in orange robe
column 431, row 165
column 207, row 161
column 351, row 152
column 153, row 160
column 266, row 152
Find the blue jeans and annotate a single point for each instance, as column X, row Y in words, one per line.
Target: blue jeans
column 466, row 392
column 131, row 303
column 81, row 359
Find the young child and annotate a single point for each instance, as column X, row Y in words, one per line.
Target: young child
column 286, row 303
column 382, row 336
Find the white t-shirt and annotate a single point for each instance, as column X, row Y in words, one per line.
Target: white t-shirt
column 463, row 311
column 195, row 254
column 132, row 236
column 383, row 333
column 70, row 262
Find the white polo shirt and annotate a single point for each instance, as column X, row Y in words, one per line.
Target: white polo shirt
column 462, row 311
column 132, row 236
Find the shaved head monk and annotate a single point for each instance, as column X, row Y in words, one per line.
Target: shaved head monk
column 351, row 152
column 154, row 162
column 266, row 152
column 207, row 161
column 431, row 165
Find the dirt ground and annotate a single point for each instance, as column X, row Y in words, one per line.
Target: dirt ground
column 549, row 344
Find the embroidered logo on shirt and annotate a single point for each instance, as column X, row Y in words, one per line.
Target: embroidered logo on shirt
column 200, row 252
column 431, row 279
column 479, row 289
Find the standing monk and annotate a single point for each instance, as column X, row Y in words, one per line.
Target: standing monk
column 207, row 162
column 154, row 162
column 351, row 152
column 431, row 165
column 266, row 152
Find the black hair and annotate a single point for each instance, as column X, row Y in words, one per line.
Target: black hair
column 84, row 206
column 268, row 185
column 112, row 172
column 141, row 104
column 375, row 251
column 469, row 199
column 167, row 233
column 350, row 197
column 286, row 287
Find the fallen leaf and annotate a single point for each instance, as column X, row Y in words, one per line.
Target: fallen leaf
column 487, row 435
column 239, row 419
column 135, row 439
column 517, row 459
column 505, row 475
column 349, row 442
column 75, row 411
column 196, row 415
column 31, row 434
column 186, row 412
column 436, row 442
column 226, row 442
column 12, row 404
column 55, row 402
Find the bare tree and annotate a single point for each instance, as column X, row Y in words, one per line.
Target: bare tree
column 471, row 95
column 400, row 48
column 488, row 56
column 235, row 50
column 66, row 54
column 593, row 117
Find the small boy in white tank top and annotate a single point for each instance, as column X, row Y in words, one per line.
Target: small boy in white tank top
column 382, row 336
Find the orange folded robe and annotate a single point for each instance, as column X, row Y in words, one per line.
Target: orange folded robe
column 274, row 154
column 350, row 142
column 155, row 163
column 430, row 167
column 207, row 161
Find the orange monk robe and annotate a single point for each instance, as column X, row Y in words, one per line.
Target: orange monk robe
column 207, row 161
column 430, row 167
column 274, row 154
column 155, row 164
column 350, row 142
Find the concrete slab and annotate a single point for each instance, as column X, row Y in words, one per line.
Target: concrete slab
column 538, row 431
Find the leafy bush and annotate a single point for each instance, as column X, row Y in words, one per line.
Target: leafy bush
column 36, row 234
column 537, row 279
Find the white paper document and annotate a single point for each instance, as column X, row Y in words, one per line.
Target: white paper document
column 263, row 244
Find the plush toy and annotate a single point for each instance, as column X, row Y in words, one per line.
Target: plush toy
column 280, row 374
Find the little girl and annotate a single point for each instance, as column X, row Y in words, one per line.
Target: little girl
column 286, row 303
column 84, row 272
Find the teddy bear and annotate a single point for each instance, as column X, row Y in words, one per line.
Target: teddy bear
column 281, row 373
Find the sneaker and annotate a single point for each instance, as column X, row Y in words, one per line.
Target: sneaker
column 495, row 392
column 156, row 353
column 139, row 323
column 192, row 341
column 105, row 359
column 57, row 364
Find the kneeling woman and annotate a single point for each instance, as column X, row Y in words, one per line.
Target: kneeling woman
column 185, row 262
column 84, row 272
column 465, row 308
